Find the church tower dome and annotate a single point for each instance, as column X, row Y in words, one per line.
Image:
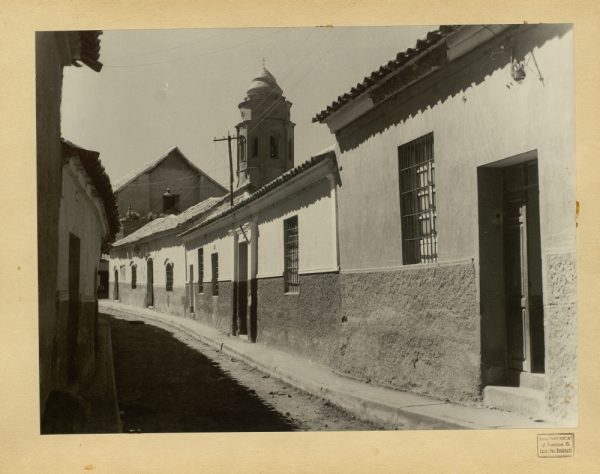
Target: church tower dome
column 266, row 133
column 264, row 84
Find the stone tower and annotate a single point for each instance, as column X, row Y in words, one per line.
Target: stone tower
column 266, row 143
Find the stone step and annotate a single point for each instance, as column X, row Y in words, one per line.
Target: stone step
column 523, row 400
column 515, row 378
column 533, row 381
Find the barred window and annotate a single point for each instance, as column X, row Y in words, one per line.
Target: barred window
column 214, row 258
column 123, row 272
column 417, row 201
column 169, row 276
column 133, row 276
column 290, row 244
column 201, row 270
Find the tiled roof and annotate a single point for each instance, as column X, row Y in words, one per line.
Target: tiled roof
column 379, row 76
column 93, row 167
column 128, row 178
column 162, row 224
column 86, row 48
column 242, row 200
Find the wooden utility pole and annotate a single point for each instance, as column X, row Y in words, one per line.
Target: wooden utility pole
column 229, row 138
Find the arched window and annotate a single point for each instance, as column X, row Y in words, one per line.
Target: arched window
column 242, row 148
column 169, row 276
column 134, row 276
column 255, row 147
column 273, row 148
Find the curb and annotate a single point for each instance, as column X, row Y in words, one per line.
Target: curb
column 363, row 407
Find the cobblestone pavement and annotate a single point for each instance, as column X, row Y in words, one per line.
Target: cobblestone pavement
column 168, row 383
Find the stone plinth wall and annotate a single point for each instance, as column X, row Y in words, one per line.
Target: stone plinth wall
column 215, row 311
column 307, row 323
column 414, row 329
column 561, row 335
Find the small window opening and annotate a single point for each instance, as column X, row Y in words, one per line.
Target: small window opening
column 290, row 244
column 201, row 270
column 169, row 276
column 215, row 273
column 133, row 276
column 273, row 151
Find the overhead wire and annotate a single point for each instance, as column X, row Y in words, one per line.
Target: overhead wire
column 186, row 58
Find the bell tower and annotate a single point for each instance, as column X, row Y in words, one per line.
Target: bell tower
column 266, row 133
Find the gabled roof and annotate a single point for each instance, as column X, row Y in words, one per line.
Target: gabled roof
column 379, row 76
column 225, row 208
column 93, row 168
column 128, row 178
column 163, row 224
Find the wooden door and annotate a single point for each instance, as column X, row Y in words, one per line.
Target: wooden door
column 73, row 318
column 523, row 268
column 191, row 289
column 242, row 299
column 516, row 281
column 116, row 285
column 149, row 282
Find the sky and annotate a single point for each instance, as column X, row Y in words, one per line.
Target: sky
column 164, row 88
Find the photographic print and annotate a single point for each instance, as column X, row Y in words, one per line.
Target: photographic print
column 306, row 229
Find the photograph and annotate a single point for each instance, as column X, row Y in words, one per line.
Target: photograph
column 324, row 228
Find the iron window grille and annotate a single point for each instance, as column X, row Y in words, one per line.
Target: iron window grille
column 417, row 201
column 133, row 276
column 290, row 244
column 169, row 275
column 215, row 273
column 201, row 270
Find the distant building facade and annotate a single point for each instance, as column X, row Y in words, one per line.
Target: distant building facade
column 167, row 185
column 147, row 267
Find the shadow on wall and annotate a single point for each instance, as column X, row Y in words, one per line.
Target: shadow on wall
column 455, row 78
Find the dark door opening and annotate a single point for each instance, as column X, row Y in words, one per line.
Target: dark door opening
column 512, row 319
column 149, row 282
column 73, row 317
column 242, row 289
column 191, row 289
column 103, row 284
column 116, row 285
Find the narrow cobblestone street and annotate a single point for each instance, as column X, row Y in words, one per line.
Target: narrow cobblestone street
column 169, row 384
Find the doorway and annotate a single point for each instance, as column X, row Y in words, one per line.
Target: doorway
column 242, row 289
column 512, row 319
column 116, row 285
column 523, row 268
column 149, row 283
column 191, row 289
column 73, row 317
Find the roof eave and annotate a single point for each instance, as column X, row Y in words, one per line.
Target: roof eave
column 459, row 41
column 325, row 166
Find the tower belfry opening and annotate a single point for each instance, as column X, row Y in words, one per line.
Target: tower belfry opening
column 266, row 133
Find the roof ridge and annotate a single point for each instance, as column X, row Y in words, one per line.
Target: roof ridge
column 150, row 165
